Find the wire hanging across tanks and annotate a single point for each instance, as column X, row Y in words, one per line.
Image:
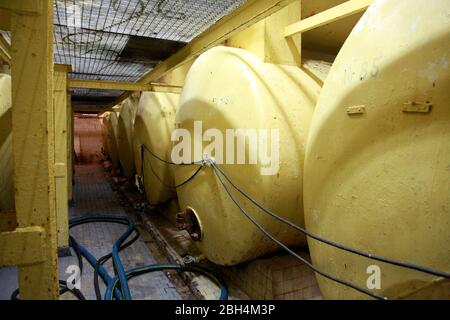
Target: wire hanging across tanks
column 219, row 172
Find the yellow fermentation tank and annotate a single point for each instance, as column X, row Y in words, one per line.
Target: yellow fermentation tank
column 229, row 88
column 377, row 167
column 109, row 136
column 6, row 155
column 153, row 126
column 125, row 136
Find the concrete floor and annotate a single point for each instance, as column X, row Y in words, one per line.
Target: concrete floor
column 93, row 196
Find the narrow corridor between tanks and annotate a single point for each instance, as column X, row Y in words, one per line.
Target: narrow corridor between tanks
column 94, row 196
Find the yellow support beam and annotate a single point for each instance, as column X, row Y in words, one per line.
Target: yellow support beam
column 328, row 16
column 266, row 38
column 24, row 7
column 108, row 85
column 246, row 15
column 33, row 144
column 161, row 87
column 5, row 50
column 122, row 86
column 69, row 147
column 23, row 246
column 61, row 141
column 63, row 68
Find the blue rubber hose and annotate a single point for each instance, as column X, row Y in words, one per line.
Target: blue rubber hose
column 162, row 267
column 122, row 276
column 101, row 270
column 125, row 291
column 126, row 294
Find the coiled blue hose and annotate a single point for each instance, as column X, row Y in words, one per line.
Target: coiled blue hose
column 162, row 267
column 123, row 276
column 107, row 279
column 125, row 290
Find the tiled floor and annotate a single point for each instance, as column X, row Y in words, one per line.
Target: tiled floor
column 8, row 282
column 94, row 196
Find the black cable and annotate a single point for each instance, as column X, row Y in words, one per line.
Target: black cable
column 15, row 295
column 332, row 243
column 306, row 262
column 166, row 161
column 178, row 185
column 83, row 220
column 144, row 147
column 62, row 289
column 307, row 233
column 76, row 292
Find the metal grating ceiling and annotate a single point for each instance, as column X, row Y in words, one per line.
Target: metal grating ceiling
column 92, row 35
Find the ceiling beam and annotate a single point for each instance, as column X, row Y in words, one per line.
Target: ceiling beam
column 123, row 86
column 246, row 15
column 108, row 85
column 328, row 16
column 89, row 104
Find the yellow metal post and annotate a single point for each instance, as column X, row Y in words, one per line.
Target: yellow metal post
column 33, row 142
column 69, row 146
column 61, row 144
column 280, row 50
column 266, row 38
column 24, row 7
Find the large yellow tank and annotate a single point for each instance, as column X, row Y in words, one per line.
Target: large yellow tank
column 109, row 136
column 228, row 88
column 153, row 126
column 377, row 168
column 125, row 136
column 6, row 155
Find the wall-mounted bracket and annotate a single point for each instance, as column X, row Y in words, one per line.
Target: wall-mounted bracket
column 353, row 110
column 417, row 107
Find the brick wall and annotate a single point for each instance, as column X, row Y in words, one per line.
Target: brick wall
column 88, row 142
column 278, row 277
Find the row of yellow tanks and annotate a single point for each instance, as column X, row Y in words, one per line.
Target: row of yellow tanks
column 364, row 160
